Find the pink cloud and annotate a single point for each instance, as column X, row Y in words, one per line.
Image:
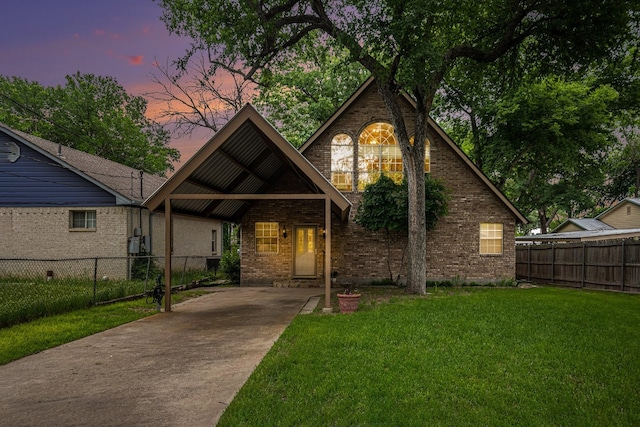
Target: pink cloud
column 135, row 60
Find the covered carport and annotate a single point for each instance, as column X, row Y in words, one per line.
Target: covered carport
column 237, row 167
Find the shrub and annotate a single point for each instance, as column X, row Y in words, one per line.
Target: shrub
column 230, row 264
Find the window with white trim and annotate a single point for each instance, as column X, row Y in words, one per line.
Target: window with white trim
column 82, row 220
column 491, row 237
column 267, row 237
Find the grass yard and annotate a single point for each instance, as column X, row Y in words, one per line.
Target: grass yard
column 28, row 338
column 458, row 357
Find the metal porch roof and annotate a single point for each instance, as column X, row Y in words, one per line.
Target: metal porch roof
column 245, row 157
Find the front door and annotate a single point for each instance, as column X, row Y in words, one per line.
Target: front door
column 304, row 252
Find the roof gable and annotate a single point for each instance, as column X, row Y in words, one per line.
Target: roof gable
column 586, row 224
column 242, row 158
column 435, row 128
column 123, row 182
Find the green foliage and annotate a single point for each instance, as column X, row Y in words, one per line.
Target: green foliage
column 92, row 114
column 624, row 163
column 22, row 301
column 549, row 146
column 299, row 92
column 144, row 267
column 230, row 264
column 384, row 205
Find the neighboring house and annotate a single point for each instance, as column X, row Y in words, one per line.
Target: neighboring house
column 621, row 221
column 623, row 215
column 57, row 202
column 581, row 224
column 296, row 208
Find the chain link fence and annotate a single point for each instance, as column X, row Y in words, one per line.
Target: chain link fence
column 32, row 288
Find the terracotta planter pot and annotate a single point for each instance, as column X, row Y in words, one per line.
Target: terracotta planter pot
column 348, row 302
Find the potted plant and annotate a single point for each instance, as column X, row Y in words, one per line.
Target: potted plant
column 349, row 300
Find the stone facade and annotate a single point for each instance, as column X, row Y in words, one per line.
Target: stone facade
column 361, row 256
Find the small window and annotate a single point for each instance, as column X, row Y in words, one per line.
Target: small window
column 342, row 162
column 266, row 237
column 214, row 241
column 628, row 210
column 490, row 239
column 85, row 220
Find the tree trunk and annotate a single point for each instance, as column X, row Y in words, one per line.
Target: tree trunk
column 413, row 163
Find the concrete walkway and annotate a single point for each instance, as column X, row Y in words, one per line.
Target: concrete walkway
column 172, row 369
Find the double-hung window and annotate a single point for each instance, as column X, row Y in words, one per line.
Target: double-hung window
column 491, row 239
column 82, row 220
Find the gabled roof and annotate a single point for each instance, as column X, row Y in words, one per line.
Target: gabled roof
column 617, row 206
column 120, row 180
column 370, row 81
column 245, row 157
column 586, row 224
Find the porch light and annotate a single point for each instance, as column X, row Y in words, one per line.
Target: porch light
column 324, row 233
column 284, row 232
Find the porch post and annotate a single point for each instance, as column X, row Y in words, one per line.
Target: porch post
column 327, row 251
column 168, row 244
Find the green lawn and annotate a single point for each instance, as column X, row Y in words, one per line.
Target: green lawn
column 458, row 357
column 21, row 340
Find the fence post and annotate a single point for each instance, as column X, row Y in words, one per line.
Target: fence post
column 623, row 264
column 95, row 279
column 529, row 263
column 584, row 261
column 553, row 261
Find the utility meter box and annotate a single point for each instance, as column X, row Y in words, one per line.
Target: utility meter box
column 134, row 245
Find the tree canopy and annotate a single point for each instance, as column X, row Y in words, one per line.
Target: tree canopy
column 406, row 45
column 92, row 114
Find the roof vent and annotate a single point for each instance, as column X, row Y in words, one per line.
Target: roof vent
column 9, row 151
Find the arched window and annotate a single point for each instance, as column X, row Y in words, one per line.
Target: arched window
column 379, row 153
column 342, row 162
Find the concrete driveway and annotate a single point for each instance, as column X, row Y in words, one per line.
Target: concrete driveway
column 172, row 369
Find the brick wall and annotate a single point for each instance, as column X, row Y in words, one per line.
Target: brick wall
column 360, row 255
column 277, row 269
column 44, row 233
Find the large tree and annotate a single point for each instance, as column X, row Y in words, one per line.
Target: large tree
column 90, row 113
column 549, row 145
column 406, row 45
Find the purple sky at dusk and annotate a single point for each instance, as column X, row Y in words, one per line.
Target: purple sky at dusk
column 45, row 40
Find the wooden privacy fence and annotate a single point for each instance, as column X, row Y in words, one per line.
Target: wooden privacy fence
column 609, row 265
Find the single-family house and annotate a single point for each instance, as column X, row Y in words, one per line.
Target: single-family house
column 621, row 221
column 296, row 207
column 59, row 203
